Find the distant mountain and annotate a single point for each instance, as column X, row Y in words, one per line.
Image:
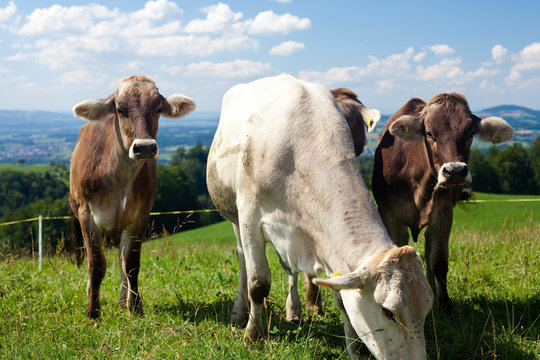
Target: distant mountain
column 521, row 118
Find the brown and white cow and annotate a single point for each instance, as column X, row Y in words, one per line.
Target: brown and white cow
column 282, row 169
column 113, row 179
column 420, row 170
column 358, row 117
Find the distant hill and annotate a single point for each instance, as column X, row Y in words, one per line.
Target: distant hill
column 521, row 118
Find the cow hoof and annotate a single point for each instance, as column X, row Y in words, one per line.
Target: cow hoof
column 239, row 319
column 315, row 309
column 93, row 313
column 253, row 335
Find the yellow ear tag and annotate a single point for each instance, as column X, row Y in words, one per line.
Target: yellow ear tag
column 406, row 132
column 368, row 120
column 496, row 138
column 337, row 274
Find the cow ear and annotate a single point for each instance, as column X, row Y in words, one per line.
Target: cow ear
column 177, row 106
column 494, row 129
column 93, row 109
column 408, row 128
column 355, row 280
column 371, row 117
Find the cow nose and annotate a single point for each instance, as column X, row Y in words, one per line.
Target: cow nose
column 143, row 149
column 454, row 173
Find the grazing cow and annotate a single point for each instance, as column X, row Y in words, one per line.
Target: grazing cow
column 113, row 179
column 420, row 170
column 356, row 114
column 282, row 169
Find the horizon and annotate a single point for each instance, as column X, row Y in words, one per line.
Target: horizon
column 55, row 54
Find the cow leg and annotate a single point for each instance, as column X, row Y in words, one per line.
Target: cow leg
column 314, row 296
column 129, row 258
column 293, row 307
column 352, row 340
column 258, row 277
column 97, row 264
column 436, row 251
column 239, row 316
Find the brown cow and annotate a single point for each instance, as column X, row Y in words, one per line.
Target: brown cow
column 113, row 179
column 420, row 170
column 358, row 117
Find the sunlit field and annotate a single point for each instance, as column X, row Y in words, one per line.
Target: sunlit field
column 189, row 280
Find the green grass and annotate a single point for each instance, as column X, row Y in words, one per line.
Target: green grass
column 40, row 168
column 188, row 282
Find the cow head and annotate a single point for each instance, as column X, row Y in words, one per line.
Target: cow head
column 136, row 106
column 446, row 126
column 356, row 115
column 389, row 294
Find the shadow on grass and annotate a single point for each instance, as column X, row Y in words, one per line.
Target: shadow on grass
column 483, row 328
column 324, row 331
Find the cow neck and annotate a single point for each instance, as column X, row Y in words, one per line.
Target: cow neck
column 119, row 133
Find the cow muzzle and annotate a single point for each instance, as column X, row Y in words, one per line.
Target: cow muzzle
column 143, row 149
column 454, row 174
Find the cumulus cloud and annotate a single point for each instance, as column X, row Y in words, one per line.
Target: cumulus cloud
column 420, row 56
column 218, row 18
column 8, row 12
column 194, row 45
column 287, row 48
column 268, row 22
column 228, row 70
column 446, row 69
column 83, row 79
column 527, row 59
column 441, row 49
column 392, row 65
column 498, row 53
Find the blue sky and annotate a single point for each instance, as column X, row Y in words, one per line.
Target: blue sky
column 54, row 54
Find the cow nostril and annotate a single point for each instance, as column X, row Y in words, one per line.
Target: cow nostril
column 464, row 171
column 446, row 170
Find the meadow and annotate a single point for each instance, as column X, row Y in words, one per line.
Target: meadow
column 188, row 283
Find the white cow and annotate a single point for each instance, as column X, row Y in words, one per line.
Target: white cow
column 282, row 169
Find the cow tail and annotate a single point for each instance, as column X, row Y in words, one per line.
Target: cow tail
column 77, row 242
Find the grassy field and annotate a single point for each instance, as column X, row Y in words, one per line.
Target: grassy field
column 189, row 280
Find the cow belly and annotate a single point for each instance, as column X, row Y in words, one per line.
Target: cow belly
column 292, row 247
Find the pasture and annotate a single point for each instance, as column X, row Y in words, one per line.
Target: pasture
column 188, row 283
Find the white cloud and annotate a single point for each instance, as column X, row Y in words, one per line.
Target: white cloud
column 8, row 12
column 17, row 57
column 392, row 65
column 158, row 10
column 194, row 45
column 228, row 70
column 446, row 69
column 498, row 53
column 420, row 56
column 218, row 18
column 284, row 1
column 287, row 48
column 268, row 22
column 528, row 59
column 441, row 49
column 83, row 79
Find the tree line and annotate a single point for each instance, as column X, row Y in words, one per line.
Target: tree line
column 181, row 185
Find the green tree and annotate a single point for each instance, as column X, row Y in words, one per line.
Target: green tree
column 514, row 169
column 534, row 155
column 175, row 191
column 484, row 175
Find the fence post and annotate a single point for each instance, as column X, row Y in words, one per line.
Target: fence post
column 40, row 237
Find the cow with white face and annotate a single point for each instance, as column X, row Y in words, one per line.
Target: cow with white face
column 282, row 169
column 420, row 169
column 113, row 179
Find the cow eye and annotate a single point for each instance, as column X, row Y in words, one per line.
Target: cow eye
column 388, row 314
column 159, row 110
column 122, row 112
column 429, row 134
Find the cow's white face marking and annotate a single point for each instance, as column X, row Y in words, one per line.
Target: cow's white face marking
column 143, row 149
column 454, row 173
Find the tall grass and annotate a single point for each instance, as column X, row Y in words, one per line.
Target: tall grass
column 188, row 283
